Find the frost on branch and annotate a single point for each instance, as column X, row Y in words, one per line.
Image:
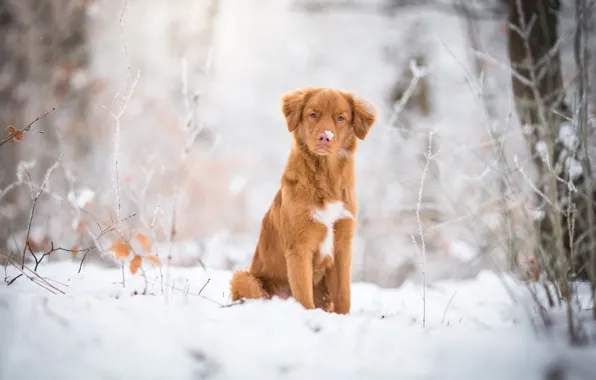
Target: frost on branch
column 568, row 136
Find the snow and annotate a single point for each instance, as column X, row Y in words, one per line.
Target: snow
column 568, row 137
column 236, row 185
column 474, row 328
column 85, row 196
column 542, row 148
column 100, row 330
column 574, row 168
column 462, row 251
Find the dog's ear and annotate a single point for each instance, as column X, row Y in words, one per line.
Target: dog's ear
column 292, row 106
column 363, row 116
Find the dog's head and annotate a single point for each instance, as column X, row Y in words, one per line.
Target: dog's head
column 327, row 121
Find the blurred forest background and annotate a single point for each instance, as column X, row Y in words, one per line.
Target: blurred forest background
column 167, row 123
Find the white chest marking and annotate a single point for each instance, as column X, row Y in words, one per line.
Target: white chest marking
column 332, row 212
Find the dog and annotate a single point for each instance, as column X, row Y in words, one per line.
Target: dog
column 304, row 248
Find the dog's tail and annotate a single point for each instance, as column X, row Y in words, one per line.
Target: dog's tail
column 245, row 285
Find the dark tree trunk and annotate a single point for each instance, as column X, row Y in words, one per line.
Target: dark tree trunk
column 565, row 233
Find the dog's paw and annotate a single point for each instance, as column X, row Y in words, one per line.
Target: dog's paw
column 329, row 307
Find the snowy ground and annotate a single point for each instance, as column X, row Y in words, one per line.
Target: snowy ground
column 100, row 330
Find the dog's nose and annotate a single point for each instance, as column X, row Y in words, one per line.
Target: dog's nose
column 324, row 138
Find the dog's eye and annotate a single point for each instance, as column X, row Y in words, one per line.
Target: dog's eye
column 313, row 115
column 340, row 118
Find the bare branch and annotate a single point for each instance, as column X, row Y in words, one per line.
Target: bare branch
column 32, row 276
column 417, row 74
column 47, row 178
column 422, row 248
column 205, row 285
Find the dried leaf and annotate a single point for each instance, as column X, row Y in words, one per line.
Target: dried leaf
column 154, row 259
column 532, row 270
column 120, row 248
column 135, row 264
column 81, row 226
column 532, row 274
column 32, row 245
column 74, row 250
column 145, row 242
column 504, row 29
column 37, row 245
column 11, row 130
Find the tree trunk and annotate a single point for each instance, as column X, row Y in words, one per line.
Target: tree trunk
column 565, row 233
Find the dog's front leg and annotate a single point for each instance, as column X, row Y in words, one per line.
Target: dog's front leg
column 339, row 276
column 300, row 276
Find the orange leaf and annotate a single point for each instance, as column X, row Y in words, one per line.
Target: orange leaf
column 504, row 29
column 37, row 245
column 135, row 264
column 145, row 242
column 154, row 259
column 120, row 248
column 81, row 226
column 32, row 245
column 12, row 130
column 74, row 250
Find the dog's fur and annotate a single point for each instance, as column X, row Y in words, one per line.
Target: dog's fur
column 305, row 244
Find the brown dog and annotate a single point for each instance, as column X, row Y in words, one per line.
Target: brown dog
column 305, row 245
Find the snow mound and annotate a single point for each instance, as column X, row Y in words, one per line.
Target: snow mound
column 100, row 330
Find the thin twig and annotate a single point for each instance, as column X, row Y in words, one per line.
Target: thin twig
column 126, row 96
column 489, row 58
column 201, row 291
column 52, row 250
column 48, row 175
column 84, row 257
column 237, row 303
column 13, row 280
column 422, row 249
column 34, row 277
column 417, row 74
column 447, row 307
column 193, row 128
column 102, row 232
